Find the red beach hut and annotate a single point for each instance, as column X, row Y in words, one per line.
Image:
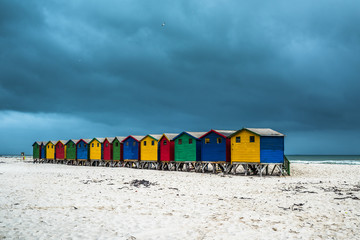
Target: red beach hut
column 108, row 149
column 166, row 147
column 60, row 150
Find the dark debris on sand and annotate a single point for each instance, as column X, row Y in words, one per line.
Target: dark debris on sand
column 137, row 183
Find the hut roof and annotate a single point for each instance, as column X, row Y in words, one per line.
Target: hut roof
column 72, row 140
column 170, row 136
column 120, row 139
column 110, row 139
column 37, row 142
column 137, row 137
column 153, row 136
column 196, row 135
column 224, row 133
column 62, row 141
column 101, row 140
column 85, row 140
column 264, row 132
column 53, row 142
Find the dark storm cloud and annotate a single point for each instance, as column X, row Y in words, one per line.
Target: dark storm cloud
column 287, row 65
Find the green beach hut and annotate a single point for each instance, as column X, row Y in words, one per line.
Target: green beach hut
column 36, row 150
column 117, row 148
column 188, row 146
column 71, row 149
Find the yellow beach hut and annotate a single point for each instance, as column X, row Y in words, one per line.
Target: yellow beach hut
column 50, row 150
column 96, row 149
column 257, row 145
column 149, row 147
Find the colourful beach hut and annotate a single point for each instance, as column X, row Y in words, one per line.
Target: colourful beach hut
column 166, row 147
column 149, row 147
column 188, row 146
column 43, row 150
column 117, row 148
column 216, row 145
column 71, row 149
column 60, row 150
column 36, row 150
column 95, row 148
column 257, row 145
column 50, row 150
column 108, row 149
column 82, row 149
column 131, row 147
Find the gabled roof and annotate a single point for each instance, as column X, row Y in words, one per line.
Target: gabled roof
column 196, row 135
column 100, row 140
column 85, row 140
column 62, row 141
column 37, row 142
column 53, row 142
column 120, row 139
column 169, row 136
column 223, row 133
column 137, row 138
column 72, row 140
column 153, row 136
column 263, row 132
column 110, row 139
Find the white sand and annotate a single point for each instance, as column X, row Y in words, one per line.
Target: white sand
column 47, row 201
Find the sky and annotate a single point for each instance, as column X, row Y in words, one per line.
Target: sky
column 89, row 68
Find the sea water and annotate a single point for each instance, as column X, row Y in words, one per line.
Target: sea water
column 325, row 159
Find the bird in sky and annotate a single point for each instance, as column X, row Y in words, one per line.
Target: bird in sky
column 163, row 24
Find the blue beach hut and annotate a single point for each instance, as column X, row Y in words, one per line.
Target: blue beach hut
column 131, row 147
column 82, row 149
column 215, row 146
column 43, row 150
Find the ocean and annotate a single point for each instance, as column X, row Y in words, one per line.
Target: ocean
column 325, row 159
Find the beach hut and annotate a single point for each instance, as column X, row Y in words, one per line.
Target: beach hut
column 43, row 150
column 60, row 150
column 117, row 148
column 149, row 147
column 95, row 150
column 188, row 146
column 166, row 147
column 108, row 149
column 50, row 150
column 82, row 150
column 215, row 146
column 257, row 145
column 131, row 147
column 36, row 150
column 71, row 150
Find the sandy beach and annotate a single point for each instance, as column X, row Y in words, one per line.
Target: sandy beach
column 48, row 201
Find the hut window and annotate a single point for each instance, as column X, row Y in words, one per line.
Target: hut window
column 92, row 145
column 180, row 141
column 134, row 144
column 127, row 143
column 98, row 144
column 52, row 146
column 116, row 144
column 190, row 141
column 218, row 140
column 164, row 142
column 107, row 144
column 144, row 143
column 252, row 138
column 207, row 140
column 238, row 139
column 153, row 143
